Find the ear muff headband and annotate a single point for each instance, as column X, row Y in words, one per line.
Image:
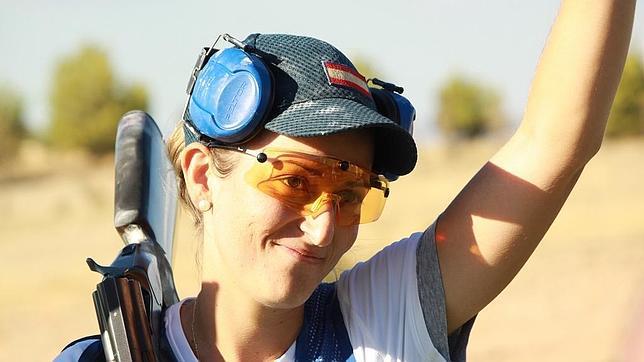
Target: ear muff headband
column 231, row 96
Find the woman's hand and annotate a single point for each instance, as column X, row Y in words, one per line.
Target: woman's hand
column 488, row 232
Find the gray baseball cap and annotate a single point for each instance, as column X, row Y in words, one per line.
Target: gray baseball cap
column 317, row 91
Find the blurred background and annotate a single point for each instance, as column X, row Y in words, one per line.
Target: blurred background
column 69, row 69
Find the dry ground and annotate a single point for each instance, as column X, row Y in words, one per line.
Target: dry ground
column 574, row 301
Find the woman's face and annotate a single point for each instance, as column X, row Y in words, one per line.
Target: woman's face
column 265, row 250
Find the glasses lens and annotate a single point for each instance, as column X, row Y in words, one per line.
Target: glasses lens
column 374, row 202
column 311, row 184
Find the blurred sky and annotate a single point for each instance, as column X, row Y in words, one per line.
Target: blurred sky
column 416, row 44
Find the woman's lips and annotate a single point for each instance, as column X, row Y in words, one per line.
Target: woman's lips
column 303, row 254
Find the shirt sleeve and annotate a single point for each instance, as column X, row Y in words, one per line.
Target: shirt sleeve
column 380, row 304
column 432, row 300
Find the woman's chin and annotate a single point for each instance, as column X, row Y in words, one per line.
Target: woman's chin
column 287, row 295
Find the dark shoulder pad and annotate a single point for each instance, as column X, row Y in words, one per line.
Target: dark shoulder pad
column 93, row 352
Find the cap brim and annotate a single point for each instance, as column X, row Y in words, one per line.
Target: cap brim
column 395, row 152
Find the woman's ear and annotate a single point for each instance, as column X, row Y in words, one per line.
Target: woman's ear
column 196, row 164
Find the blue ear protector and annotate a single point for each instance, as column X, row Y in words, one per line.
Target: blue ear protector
column 229, row 93
column 391, row 104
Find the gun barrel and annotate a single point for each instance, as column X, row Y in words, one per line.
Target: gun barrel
column 145, row 202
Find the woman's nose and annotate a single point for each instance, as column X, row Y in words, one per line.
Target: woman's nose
column 320, row 226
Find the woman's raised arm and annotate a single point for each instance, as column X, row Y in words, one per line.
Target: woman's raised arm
column 488, row 232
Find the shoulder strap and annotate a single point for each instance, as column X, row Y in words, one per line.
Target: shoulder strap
column 323, row 336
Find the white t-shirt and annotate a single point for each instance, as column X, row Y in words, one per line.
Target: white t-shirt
column 381, row 307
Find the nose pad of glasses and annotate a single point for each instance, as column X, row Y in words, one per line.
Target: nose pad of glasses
column 321, row 204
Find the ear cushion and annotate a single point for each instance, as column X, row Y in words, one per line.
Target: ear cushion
column 231, row 96
column 385, row 104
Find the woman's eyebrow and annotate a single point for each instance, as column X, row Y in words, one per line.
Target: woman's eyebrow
column 311, row 170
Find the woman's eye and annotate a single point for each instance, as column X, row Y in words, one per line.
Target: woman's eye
column 294, row 182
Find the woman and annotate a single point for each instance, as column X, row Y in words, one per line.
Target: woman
column 279, row 209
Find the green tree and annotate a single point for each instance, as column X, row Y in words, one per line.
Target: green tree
column 627, row 115
column 467, row 109
column 12, row 128
column 87, row 102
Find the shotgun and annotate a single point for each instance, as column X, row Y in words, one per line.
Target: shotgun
column 138, row 286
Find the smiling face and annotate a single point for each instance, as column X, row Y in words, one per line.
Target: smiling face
column 263, row 249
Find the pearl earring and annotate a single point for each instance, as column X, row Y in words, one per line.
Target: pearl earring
column 204, row 205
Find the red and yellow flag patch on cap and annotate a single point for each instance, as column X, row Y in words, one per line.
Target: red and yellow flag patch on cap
column 342, row 75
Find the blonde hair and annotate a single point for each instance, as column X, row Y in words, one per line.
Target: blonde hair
column 222, row 161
